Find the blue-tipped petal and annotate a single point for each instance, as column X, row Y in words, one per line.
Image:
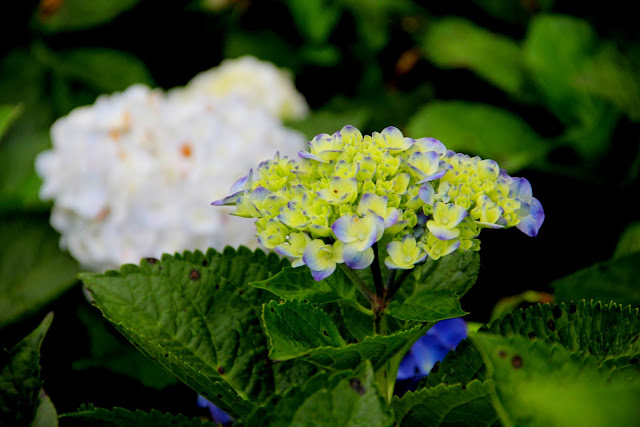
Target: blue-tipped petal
column 307, row 155
column 427, row 193
column 442, row 233
column 229, row 200
column 340, row 228
column 323, row 274
column 357, row 259
column 433, row 177
column 530, row 225
column 521, row 189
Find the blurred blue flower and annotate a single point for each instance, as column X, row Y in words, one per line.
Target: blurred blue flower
column 217, row 414
column 443, row 337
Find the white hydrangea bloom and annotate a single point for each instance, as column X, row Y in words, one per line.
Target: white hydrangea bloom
column 260, row 81
column 132, row 175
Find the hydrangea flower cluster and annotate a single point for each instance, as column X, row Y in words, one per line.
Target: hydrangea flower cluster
column 350, row 191
column 260, row 82
column 127, row 173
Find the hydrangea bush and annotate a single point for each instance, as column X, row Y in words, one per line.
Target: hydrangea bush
column 370, row 242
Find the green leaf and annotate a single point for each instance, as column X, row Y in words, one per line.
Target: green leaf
column 612, row 76
column 538, row 383
column 197, row 316
column 33, row 270
column 479, row 129
column 110, row 353
column 70, row 15
column 556, row 50
column 117, row 417
column 334, row 354
column 345, row 399
column 613, row 280
column 298, row 284
column 458, row 43
column 358, row 324
column 104, row 70
column 23, row 81
column 458, row 367
column 629, row 242
column 427, row 306
column 315, row 19
column 446, row 405
column 46, row 414
column 455, row 273
column 604, row 332
column 8, row 113
column 295, row 327
column 20, row 382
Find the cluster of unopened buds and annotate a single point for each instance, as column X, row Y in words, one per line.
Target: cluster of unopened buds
column 351, row 195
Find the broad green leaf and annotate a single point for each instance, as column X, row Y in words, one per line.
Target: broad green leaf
column 108, row 352
column 298, row 284
column 540, row 383
column 295, row 327
column 315, row 18
column 613, row 280
column 458, row 43
column 104, row 70
column 427, row 306
column 447, row 405
column 344, row 399
column 117, row 417
column 458, row 367
column 19, row 183
column 46, row 414
column 455, row 273
column 479, row 129
column 604, row 332
column 292, row 373
column 556, row 51
column 70, row 15
column 197, row 316
column 629, row 242
column 299, row 330
column 20, row 382
column 23, row 80
column 373, row 19
column 33, row 270
column 358, row 324
column 612, row 76
column 8, row 113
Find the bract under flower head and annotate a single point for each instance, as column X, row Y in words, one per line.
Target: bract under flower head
column 349, row 191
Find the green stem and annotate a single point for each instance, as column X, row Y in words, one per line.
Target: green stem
column 361, row 308
column 396, row 285
column 390, row 278
column 362, row 287
column 375, row 271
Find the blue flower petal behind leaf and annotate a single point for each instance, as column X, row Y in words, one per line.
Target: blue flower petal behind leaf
column 432, row 347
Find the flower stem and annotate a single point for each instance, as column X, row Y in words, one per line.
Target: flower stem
column 396, row 285
column 376, row 273
column 362, row 287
